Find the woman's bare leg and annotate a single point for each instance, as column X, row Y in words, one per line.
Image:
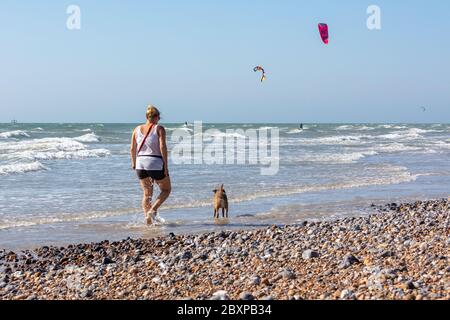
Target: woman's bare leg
column 166, row 188
column 147, row 188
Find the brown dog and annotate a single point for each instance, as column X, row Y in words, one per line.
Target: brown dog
column 220, row 202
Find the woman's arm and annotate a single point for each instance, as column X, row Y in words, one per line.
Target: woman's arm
column 133, row 150
column 163, row 146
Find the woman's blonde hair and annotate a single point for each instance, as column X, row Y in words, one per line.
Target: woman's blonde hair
column 152, row 112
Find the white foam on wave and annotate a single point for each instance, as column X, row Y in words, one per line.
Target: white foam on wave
column 345, row 127
column 354, row 127
column 38, row 129
column 12, row 134
column 183, row 128
column 267, row 128
column 86, row 130
column 333, row 140
column 410, row 134
column 295, row 131
column 442, row 144
column 67, row 155
column 90, row 137
column 365, row 128
column 336, row 158
column 21, row 168
column 391, row 126
column 50, row 149
column 218, row 134
column 394, row 147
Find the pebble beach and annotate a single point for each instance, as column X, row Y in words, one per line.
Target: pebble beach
column 399, row 252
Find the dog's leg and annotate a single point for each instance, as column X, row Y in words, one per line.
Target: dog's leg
column 223, row 212
column 227, row 211
column 215, row 213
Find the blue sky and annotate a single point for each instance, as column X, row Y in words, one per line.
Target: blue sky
column 194, row 60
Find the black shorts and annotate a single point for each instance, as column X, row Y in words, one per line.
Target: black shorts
column 154, row 174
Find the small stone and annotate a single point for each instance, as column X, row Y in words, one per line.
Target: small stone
column 143, row 286
column 409, row 285
column 348, row 260
column 287, row 274
column 107, row 260
column 86, row 294
column 309, row 254
column 186, row 255
column 246, row 296
column 255, row 280
column 156, row 280
column 347, row 294
column 220, row 295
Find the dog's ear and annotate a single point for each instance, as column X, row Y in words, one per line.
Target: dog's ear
column 221, row 187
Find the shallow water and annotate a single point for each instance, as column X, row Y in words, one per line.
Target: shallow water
column 64, row 183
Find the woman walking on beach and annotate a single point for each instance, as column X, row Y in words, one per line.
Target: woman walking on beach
column 149, row 159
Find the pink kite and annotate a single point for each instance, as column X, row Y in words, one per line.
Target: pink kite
column 323, row 29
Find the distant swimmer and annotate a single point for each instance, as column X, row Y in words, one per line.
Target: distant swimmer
column 301, row 126
column 186, row 124
column 423, row 109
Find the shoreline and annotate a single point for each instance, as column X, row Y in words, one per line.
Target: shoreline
column 398, row 253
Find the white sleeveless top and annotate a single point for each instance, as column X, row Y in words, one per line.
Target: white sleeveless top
column 149, row 158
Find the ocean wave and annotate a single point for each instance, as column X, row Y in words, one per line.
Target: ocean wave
column 442, row 144
column 86, row 130
column 391, row 126
column 267, row 128
column 394, row 147
column 12, row 134
column 21, row 168
column 354, row 127
column 345, row 127
column 51, row 149
column 218, row 134
column 67, row 155
column 186, row 129
column 365, row 128
column 295, row 131
column 333, row 140
column 336, row 158
column 412, row 133
column 44, row 144
column 90, row 137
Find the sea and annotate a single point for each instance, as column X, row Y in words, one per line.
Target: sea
column 65, row 183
